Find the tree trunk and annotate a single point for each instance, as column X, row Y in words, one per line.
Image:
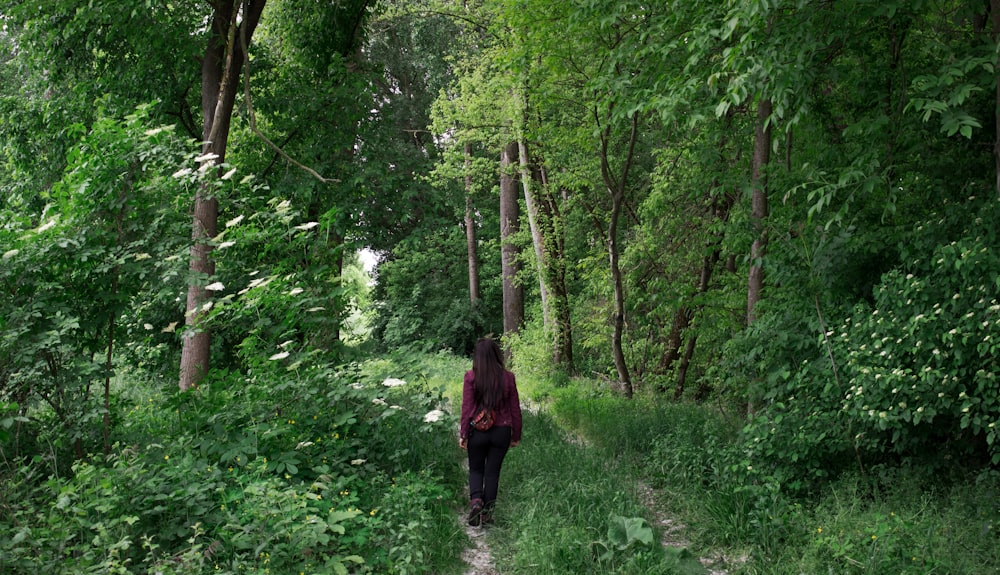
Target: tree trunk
column 220, row 72
column 759, row 206
column 618, row 318
column 470, row 230
column 555, row 247
column 536, row 233
column 682, row 318
column 513, row 292
column 995, row 16
column 616, row 189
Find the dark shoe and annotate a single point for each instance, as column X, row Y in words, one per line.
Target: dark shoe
column 487, row 514
column 476, row 512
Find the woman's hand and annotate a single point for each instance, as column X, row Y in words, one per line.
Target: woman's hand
column 515, row 443
column 463, row 443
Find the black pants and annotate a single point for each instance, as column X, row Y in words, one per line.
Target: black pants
column 486, row 452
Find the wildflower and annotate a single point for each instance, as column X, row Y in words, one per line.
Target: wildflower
column 277, row 356
column 166, row 458
column 819, row 530
column 217, row 286
column 307, row 226
column 372, row 512
column 393, row 382
column 234, row 221
column 358, row 461
column 433, row 415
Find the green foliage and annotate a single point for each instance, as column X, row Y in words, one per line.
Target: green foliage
column 425, row 295
column 288, row 470
column 104, row 245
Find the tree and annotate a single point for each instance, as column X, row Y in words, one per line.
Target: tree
column 231, row 30
column 513, row 292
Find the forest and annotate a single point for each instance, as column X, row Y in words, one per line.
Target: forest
column 742, row 255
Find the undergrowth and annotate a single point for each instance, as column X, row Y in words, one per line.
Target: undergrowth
column 898, row 518
column 286, row 470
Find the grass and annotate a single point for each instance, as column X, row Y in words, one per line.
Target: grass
column 900, row 520
column 559, row 500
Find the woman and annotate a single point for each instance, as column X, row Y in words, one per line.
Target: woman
column 491, row 388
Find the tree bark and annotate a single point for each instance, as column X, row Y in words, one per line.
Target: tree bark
column 536, row 234
column 220, row 72
column 759, row 206
column 616, row 189
column 513, row 292
column 470, row 230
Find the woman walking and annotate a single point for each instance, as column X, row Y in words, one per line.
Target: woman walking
column 490, row 424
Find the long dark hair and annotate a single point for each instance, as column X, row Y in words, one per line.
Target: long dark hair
column 487, row 365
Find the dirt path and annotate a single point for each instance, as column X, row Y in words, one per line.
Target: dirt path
column 478, row 556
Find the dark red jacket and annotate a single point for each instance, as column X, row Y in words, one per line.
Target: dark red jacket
column 507, row 414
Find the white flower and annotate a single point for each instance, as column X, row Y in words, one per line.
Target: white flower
column 169, row 328
column 181, row 173
column 280, row 355
column 142, row 256
column 315, row 309
column 9, row 254
column 393, row 382
column 229, row 174
column 283, row 345
column 225, row 245
column 49, row 224
column 307, row 226
column 147, row 326
column 434, row 415
column 234, row 221
column 358, row 461
column 357, row 385
column 217, row 286
column 379, row 401
column 295, row 291
column 206, row 157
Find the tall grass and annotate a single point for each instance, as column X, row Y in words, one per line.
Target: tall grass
column 894, row 519
column 559, row 499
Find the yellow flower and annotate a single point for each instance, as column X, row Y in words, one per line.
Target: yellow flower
column 372, row 512
column 874, row 537
column 819, row 530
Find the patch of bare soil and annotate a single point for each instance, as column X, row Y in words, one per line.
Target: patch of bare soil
column 478, row 556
